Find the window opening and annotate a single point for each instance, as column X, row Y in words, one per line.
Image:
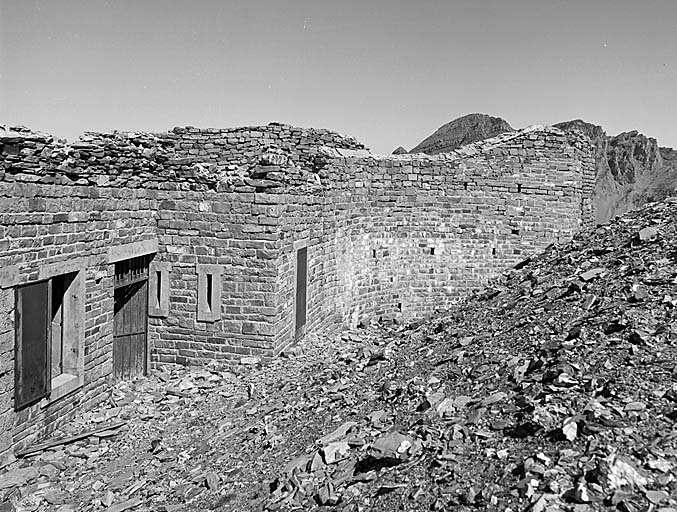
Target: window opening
column 209, row 292
column 158, row 288
column 48, row 319
column 59, row 285
column 210, row 278
column 158, row 282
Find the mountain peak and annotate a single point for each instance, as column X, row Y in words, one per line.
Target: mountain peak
column 459, row 132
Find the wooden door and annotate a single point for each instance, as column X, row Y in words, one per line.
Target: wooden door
column 131, row 318
column 301, row 290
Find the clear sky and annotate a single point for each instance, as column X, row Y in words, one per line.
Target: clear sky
column 388, row 72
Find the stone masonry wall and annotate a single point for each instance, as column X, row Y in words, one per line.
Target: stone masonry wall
column 51, row 217
column 240, row 146
column 238, row 232
column 397, row 237
column 418, row 233
column 390, row 237
column 67, row 201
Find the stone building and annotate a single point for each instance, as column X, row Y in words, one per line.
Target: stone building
column 126, row 250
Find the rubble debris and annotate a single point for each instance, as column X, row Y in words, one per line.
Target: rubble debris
column 103, row 430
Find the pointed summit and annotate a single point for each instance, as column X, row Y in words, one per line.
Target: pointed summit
column 459, row 132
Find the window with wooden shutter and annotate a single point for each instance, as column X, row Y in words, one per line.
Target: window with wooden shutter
column 49, row 344
column 32, row 355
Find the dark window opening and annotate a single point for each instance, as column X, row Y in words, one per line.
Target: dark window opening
column 432, row 251
column 373, row 252
column 158, row 290
column 399, row 307
column 134, row 270
column 210, row 287
column 58, row 289
column 465, row 185
column 519, row 188
column 44, row 325
column 515, row 231
column 493, row 251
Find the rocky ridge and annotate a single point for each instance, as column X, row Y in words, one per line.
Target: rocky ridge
column 631, row 170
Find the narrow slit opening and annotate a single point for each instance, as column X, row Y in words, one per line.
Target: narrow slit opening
column 399, row 307
column 158, row 279
column 373, row 252
column 519, row 188
column 432, row 251
column 210, row 286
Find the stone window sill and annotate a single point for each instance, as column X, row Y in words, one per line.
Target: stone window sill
column 62, row 385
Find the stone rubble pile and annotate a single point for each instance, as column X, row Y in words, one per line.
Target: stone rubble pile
column 227, row 160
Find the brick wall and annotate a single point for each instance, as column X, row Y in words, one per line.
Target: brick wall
column 239, row 233
column 397, row 237
column 389, row 237
column 419, row 232
column 63, row 201
column 53, row 212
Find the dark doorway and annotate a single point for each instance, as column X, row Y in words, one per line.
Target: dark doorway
column 301, row 286
column 131, row 318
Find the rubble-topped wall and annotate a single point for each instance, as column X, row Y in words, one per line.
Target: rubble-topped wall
column 241, row 146
column 185, row 158
column 61, row 212
column 75, row 202
column 390, row 237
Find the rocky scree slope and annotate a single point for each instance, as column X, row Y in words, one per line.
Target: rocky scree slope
column 631, row 170
column 553, row 389
column 459, row 132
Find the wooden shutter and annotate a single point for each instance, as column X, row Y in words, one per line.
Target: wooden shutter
column 31, row 361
